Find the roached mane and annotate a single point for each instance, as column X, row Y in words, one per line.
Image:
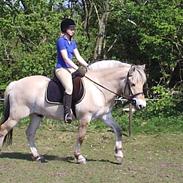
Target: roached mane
column 104, row 64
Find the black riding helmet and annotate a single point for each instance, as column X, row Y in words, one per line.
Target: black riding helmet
column 66, row 23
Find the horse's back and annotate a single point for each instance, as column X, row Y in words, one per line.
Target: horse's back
column 33, row 79
column 28, row 86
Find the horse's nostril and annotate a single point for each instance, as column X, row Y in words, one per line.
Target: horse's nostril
column 141, row 106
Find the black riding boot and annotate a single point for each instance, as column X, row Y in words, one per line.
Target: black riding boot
column 67, row 100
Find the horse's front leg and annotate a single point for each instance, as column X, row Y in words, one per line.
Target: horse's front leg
column 80, row 137
column 109, row 121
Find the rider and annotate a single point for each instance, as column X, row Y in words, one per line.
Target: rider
column 66, row 49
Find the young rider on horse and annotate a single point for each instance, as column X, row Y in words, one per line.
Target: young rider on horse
column 66, row 49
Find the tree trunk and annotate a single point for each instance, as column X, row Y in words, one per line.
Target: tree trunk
column 177, row 75
column 102, row 22
column 88, row 8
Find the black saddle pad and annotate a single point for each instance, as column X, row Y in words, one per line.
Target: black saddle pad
column 55, row 91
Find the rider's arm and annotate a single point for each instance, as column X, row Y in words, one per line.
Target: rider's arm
column 79, row 58
column 67, row 59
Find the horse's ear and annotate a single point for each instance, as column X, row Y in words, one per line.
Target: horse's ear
column 132, row 69
column 143, row 66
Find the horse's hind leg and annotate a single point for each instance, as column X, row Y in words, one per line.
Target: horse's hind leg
column 30, row 133
column 6, row 130
column 109, row 121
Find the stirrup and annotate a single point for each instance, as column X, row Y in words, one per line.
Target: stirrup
column 68, row 118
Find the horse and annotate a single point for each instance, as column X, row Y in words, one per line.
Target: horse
column 104, row 81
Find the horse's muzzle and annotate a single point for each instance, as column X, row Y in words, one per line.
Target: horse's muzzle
column 138, row 103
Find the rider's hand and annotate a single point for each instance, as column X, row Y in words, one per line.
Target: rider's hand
column 82, row 70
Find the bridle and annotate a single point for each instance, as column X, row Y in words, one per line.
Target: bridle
column 130, row 98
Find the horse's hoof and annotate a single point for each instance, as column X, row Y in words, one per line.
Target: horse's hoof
column 40, row 159
column 119, row 160
column 81, row 159
column 119, row 157
column 43, row 160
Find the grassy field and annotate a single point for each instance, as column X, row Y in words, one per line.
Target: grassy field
column 148, row 159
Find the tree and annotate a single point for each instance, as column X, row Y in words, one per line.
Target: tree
column 27, row 40
column 148, row 32
column 135, row 31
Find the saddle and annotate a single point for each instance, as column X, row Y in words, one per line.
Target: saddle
column 55, row 91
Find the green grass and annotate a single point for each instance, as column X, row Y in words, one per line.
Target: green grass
column 143, row 122
column 153, row 153
column 147, row 158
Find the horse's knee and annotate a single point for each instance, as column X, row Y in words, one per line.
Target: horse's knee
column 1, row 140
column 3, row 130
column 1, row 135
column 29, row 134
column 33, row 126
column 118, row 131
column 81, row 138
column 83, row 126
column 8, row 125
column 82, row 130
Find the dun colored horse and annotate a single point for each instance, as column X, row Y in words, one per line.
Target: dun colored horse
column 103, row 82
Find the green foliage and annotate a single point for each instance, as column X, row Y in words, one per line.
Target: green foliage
column 159, row 124
column 164, row 100
column 28, row 50
column 148, row 32
column 144, row 32
column 140, row 32
column 163, row 114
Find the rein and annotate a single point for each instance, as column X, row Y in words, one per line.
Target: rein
column 103, row 87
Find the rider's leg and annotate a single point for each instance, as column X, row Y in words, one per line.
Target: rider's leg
column 67, row 107
column 65, row 78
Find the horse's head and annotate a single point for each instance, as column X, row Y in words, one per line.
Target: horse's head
column 133, row 86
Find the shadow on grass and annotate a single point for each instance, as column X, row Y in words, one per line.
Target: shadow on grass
column 104, row 161
column 27, row 157
column 15, row 155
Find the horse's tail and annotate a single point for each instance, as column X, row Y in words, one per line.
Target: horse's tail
column 6, row 113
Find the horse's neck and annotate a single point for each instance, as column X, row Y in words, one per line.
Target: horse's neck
column 110, row 78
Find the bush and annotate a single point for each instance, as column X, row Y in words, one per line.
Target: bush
column 162, row 114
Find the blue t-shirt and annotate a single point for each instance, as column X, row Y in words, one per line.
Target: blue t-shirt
column 61, row 44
